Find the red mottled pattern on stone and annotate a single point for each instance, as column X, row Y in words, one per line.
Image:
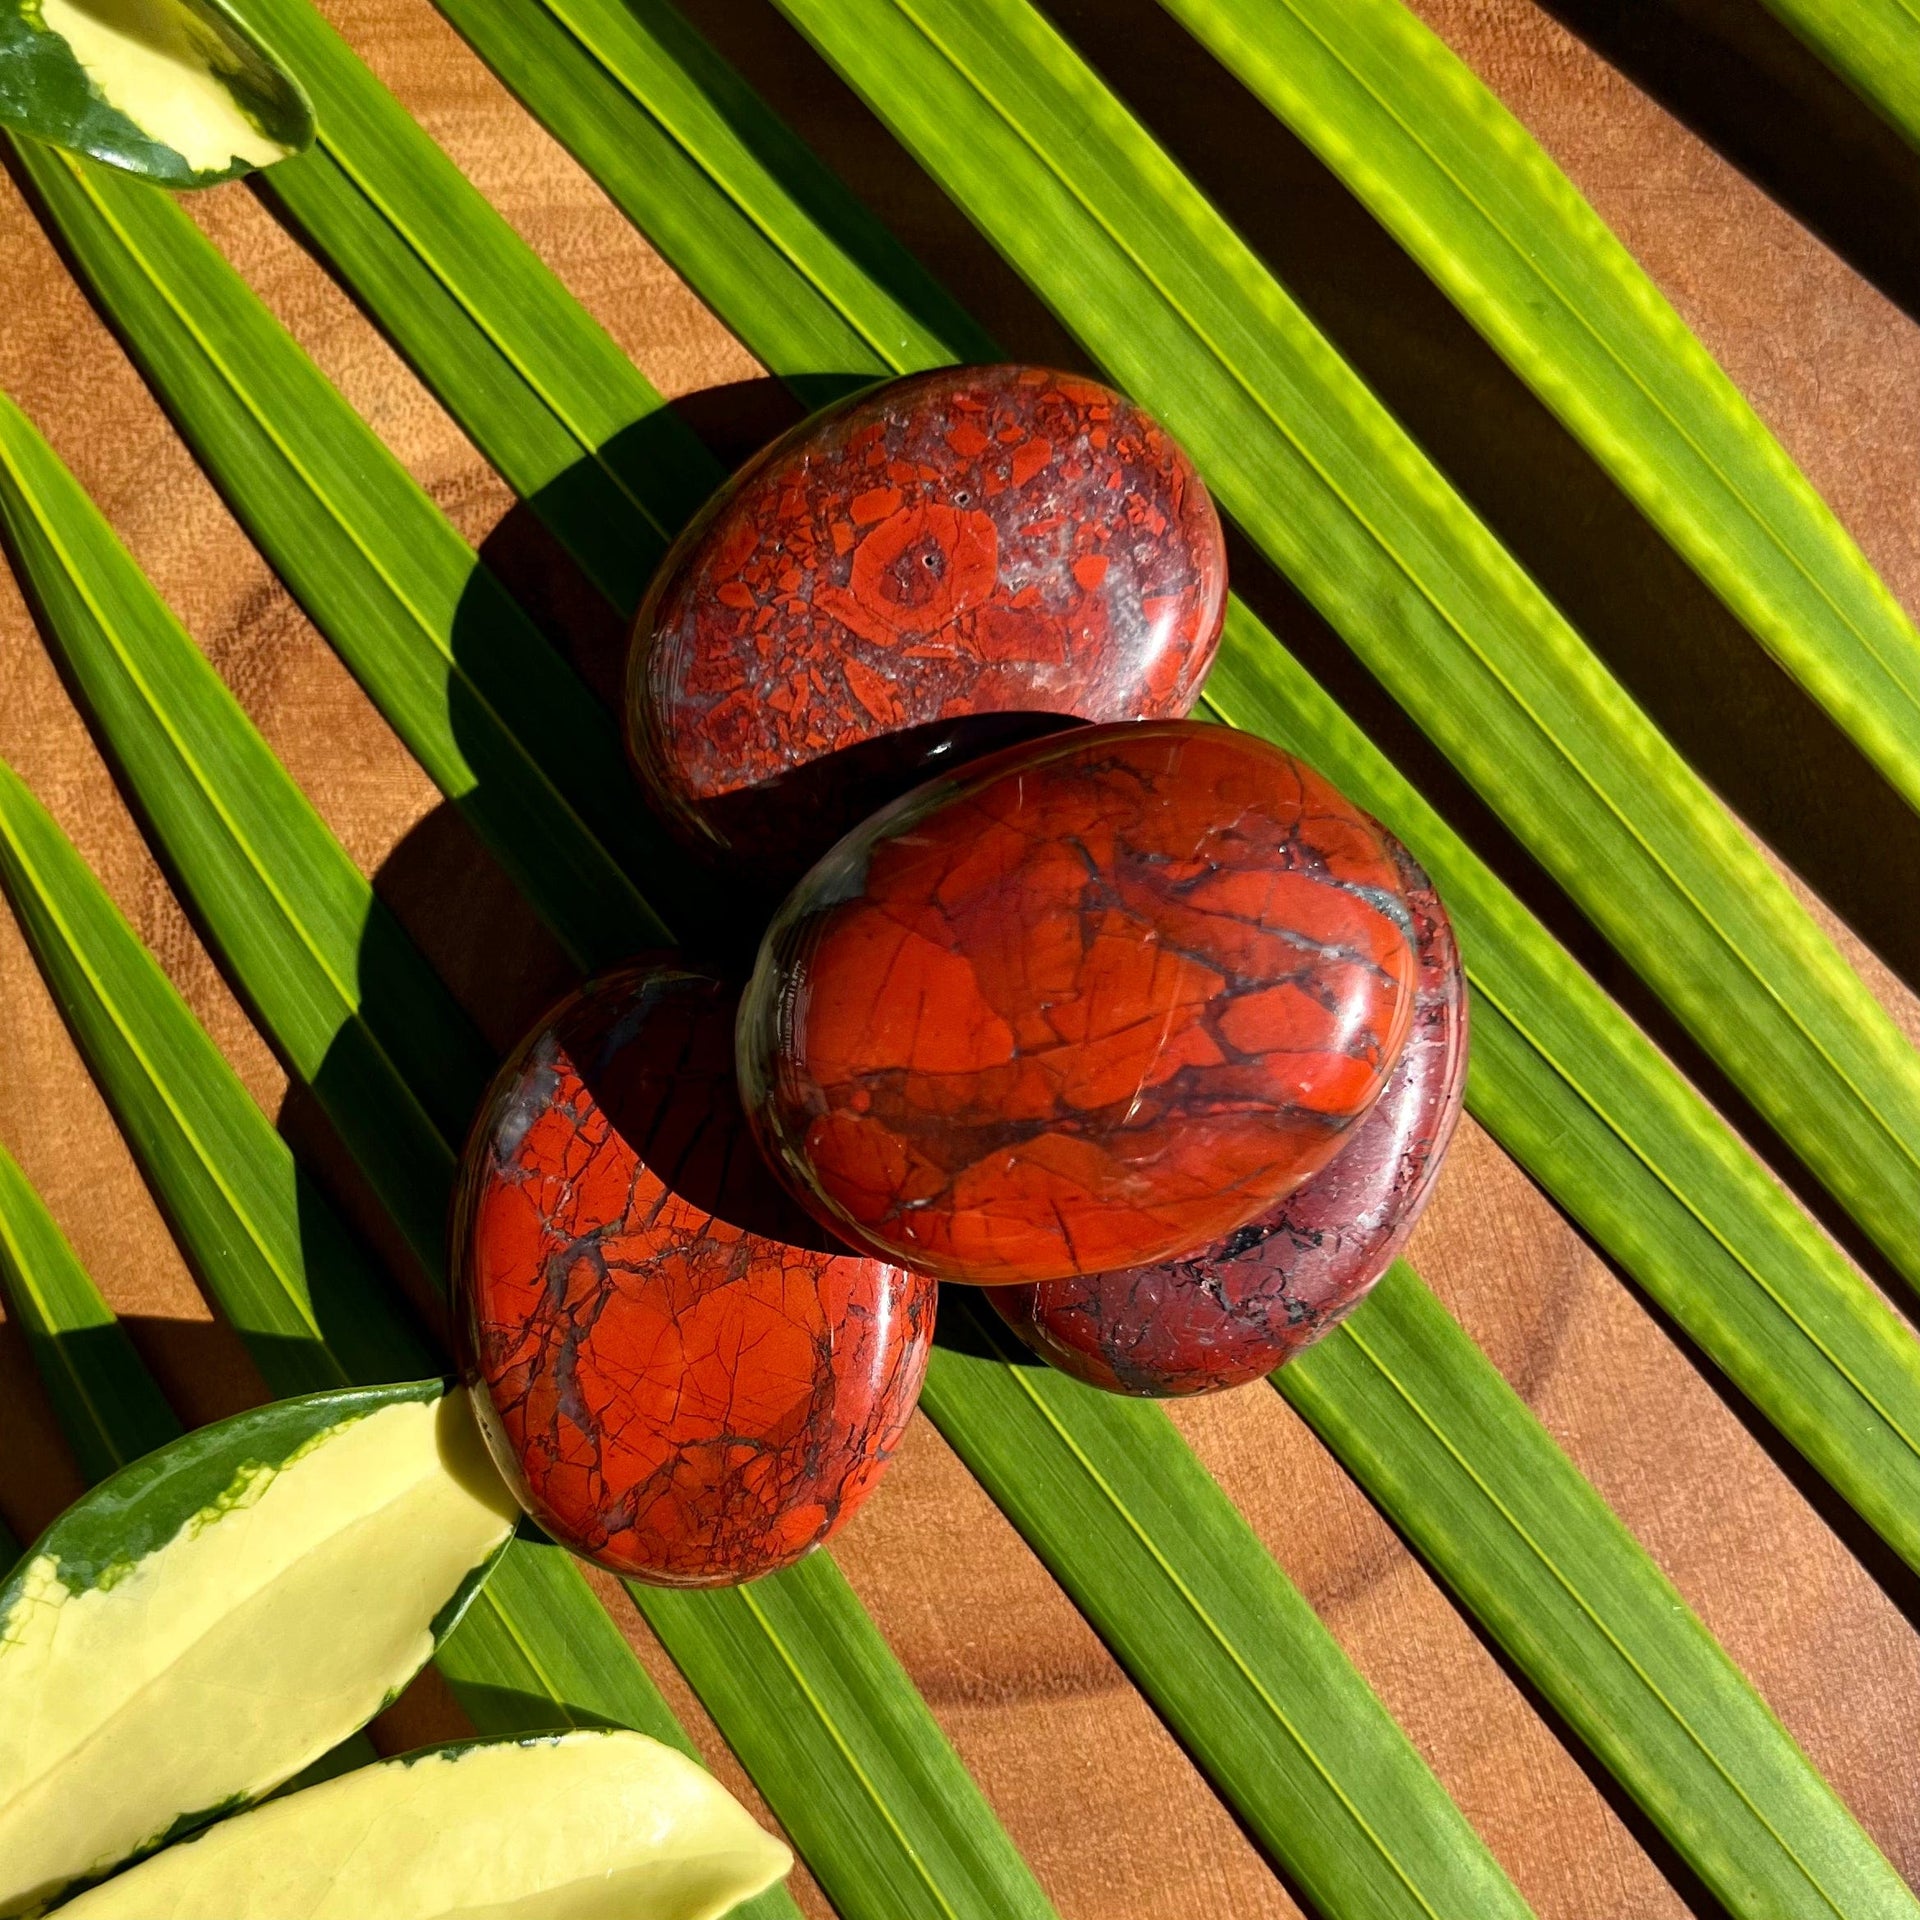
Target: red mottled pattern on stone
column 681, row 1378
column 1094, row 1002
column 1257, row 1297
column 885, row 586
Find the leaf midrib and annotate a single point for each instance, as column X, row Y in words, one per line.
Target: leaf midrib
column 76, row 1754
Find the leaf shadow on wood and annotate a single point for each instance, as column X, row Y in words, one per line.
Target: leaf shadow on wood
column 1750, row 88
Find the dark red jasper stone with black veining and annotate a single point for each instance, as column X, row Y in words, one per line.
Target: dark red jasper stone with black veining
column 680, row 1376
column 1254, row 1299
column 1092, row 1003
column 922, row 573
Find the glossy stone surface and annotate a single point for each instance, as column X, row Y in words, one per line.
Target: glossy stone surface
column 680, row 1375
column 891, row 586
column 1256, row 1297
column 1093, row 1002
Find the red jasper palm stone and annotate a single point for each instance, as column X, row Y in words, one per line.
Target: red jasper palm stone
column 682, row 1380
column 957, row 547
column 1092, row 1003
column 1255, row 1298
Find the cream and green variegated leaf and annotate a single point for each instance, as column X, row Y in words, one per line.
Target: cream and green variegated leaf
column 197, row 1628
column 599, row 1825
column 1873, row 45
column 181, row 92
column 110, row 1408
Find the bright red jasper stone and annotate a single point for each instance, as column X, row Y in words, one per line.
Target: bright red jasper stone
column 1092, row 1003
column 1255, row 1298
column 680, row 1377
column 881, row 589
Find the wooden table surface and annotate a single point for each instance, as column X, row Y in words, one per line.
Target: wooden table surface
column 1803, row 285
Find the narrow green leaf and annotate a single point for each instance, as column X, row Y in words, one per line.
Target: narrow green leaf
column 1463, row 186
column 171, row 1647
column 238, row 833
column 891, row 1834
column 582, row 434
column 181, row 741
column 179, row 92
column 1580, row 1096
column 1570, row 1086
column 1076, row 194
column 1873, row 45
column 1214, row 1634
column 535, row 1649
column 1462, row 1467
column 427, row 629
column 262, row 1239
column 861, row 302
column 106, row 1401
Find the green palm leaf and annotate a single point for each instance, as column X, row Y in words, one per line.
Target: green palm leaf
column 1464, row 188
column 1873, row 45
column 427, row 629
column 1459, row 1464
column 1570, row 1086
column 144, row 696
column 1594, row 1111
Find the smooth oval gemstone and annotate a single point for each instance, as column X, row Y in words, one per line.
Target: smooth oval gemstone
column 1258, row 1296
column 891, row 586
column 1091, row 1003
column 681, row 1377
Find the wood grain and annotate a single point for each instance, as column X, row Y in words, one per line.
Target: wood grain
column 1114, row 1818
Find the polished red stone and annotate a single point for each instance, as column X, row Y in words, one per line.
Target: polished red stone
column 680, row 1376
column 1256, row 1297
column 892, row 585
column 1091, row 1003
